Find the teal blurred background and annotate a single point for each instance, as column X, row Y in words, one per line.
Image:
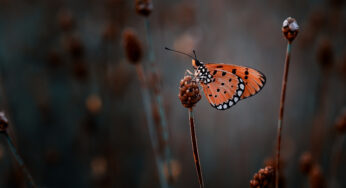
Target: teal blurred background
column 77, row 116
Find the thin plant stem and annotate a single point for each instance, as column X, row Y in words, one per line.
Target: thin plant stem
column 151, row 126
column 335, row 157
column 195, row 149
column 19, row 160
column 281, row 113
column 158, row 99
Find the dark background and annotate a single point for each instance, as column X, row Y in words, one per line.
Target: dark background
column 76, row 112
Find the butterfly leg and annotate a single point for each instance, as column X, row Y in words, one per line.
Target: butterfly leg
column 188, row 72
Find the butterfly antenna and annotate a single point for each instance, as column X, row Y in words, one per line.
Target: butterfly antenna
column 194, row 52
column 179, row 52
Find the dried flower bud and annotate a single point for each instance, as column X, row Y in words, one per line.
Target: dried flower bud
column 75, row 47
column 54, row 58
column 316, row 178
column 172, row 170
column 263, row 178
column 325, row 54
column 341, row 123
column 109, row 32
column 93, row 103
column 144, row 7
column 65, row 20
column 189, row 92
column 98, row 167
column 306, row 162
column 290, row 29
column 3, row 122
column 133, row 46
column 80, row 69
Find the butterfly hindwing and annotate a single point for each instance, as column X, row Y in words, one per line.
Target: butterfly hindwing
column 225, row 91
column 253, row 79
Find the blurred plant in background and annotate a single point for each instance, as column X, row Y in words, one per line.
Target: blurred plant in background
column 77, row 116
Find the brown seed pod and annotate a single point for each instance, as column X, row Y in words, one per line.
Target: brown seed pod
column 189, row 92
column 109, row 32
column 66, row 20
column 263, row 178
column 3, row 122
column 75, row 47
column 132, row 46
column 306, row 162
column 316, row 177
column 341, row 123
column 325, row 54
column 144, row 7
column 290, row 29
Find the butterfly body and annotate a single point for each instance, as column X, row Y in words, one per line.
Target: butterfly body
column 224, row 85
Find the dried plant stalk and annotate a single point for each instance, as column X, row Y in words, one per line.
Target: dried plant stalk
column 290, row 30
column 158, row 97
column 19, row 160
column 195, row 148
column 152, row 131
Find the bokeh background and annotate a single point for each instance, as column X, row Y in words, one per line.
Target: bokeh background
column 75, row 107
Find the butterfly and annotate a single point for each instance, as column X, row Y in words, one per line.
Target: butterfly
column 224, row 85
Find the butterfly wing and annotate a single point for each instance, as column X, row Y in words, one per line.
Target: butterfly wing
column 225, row 91
column 253, row 79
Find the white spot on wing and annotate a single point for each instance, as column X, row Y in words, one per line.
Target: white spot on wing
column 230, row 103
column 241, row 86
column 239, row 93
column 224, row 106
column 236, row 99
column 219, row 107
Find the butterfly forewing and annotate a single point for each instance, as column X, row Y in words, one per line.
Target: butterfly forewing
column 225, row 91
column 253, row 79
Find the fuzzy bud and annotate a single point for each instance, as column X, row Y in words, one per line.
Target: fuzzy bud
column 316, row 177
column 144, row 7
column 341, row 123
column 189, row 92
column 290, row 29
column 325, row 54
column 263, row 178
column 66, row 20
column 306, row 162
column 133, row 46
column 3, row 122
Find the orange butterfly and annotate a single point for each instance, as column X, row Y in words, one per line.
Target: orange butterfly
column 224, row 85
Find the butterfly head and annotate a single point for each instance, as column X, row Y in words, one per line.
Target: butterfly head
column 196, row 63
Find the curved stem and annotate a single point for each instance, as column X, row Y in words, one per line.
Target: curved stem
column 151, row 126
column 195, row 149
column 159, row 100
column 19, row 160
column 281, row 113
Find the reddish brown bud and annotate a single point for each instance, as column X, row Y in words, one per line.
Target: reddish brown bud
column 144, row 7
column 109, row 32
column 133, row 46
column 3, row 122
column 65, row 20
column 341, row 123
column 290, row 29
column 263, row 178
column 325, row 54
column 189, row 92
column 75, row 47
column 316, row 178
column 306, row 162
